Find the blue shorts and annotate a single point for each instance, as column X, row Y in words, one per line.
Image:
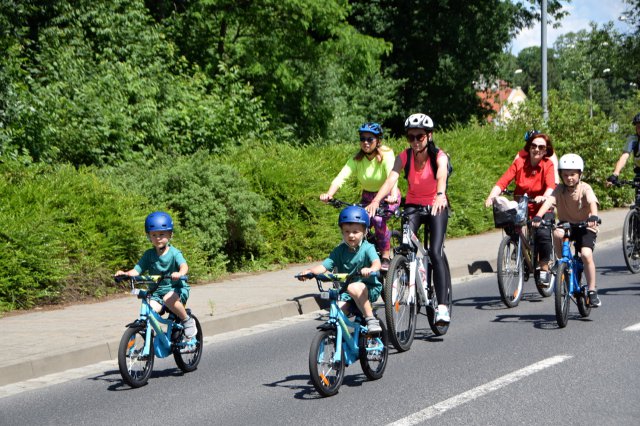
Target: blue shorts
column 182, row 292
column 372, row 290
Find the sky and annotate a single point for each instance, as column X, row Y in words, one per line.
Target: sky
column 581, row 12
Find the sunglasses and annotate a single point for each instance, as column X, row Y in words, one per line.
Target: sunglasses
column 539, row 147
column 530, row 134
column 369, row 139
column 416, row 138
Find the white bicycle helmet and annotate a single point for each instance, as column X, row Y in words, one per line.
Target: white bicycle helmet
column 418, row 121
column 571, row 162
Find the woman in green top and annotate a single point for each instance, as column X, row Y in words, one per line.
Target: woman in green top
column 371, row 166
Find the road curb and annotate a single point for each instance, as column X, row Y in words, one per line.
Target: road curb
column 81, row 357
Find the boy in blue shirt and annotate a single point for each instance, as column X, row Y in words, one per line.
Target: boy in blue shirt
column 164, row 259
column 355, row 255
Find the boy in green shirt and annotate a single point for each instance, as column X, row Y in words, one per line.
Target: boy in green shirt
column 355, row 255
column 164, row 259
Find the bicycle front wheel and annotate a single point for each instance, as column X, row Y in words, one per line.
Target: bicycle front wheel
column 135, row 368
column 441, row 329
column 374, row 353
column 510, row 272
column 631, row 241
column 562, row 295
column 400, row 306
column 326, row 372
column 188, row 356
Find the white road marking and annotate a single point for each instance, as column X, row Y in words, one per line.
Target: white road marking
column 635, row 327
column 470, row 395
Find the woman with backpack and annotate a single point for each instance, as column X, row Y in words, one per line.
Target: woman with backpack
column 426, row 169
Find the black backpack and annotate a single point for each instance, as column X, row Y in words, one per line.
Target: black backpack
column 432, row 160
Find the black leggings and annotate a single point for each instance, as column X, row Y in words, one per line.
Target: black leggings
column 435, row 228
column 542, row 239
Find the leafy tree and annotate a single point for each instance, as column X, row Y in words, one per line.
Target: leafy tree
column 311, row 69
column 440, row 47
column 100, row 83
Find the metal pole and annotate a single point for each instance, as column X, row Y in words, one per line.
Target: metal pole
column 543, row 50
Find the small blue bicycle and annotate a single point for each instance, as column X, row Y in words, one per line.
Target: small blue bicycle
column 340, row 342
column 144, row 338
column 570, row 280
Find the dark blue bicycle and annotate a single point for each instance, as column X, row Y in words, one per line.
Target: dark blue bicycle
column 340, row 341
column 570, row 280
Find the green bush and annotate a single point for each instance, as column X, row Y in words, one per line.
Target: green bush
column 62, row 233
column 210, row 200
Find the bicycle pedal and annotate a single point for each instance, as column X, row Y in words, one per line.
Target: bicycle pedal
column 326, row 326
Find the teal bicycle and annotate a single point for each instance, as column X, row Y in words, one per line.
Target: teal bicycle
column 144, row 339
column 570, row 280
column 340, row 341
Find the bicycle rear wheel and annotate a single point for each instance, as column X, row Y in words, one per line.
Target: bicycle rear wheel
column 510, row 272
column 374, row 353
column 440, row 329
column 135, row 368
column 631, row 241
column 582, row 300
column 188, row 357
column 400, row 307
column 326, row 373
column 562, row 295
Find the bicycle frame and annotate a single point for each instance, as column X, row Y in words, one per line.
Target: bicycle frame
column 419, row 262
column 573, row 262
column 151, row 319
column 162, row 342
column 347, row 345
column 524, row 245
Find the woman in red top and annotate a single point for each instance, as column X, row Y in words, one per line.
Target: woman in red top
column 534, row 174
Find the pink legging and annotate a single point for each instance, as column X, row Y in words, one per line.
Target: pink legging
column 383, row 235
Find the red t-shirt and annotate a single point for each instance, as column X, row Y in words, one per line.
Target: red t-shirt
column 422, row 183
column 530, row 180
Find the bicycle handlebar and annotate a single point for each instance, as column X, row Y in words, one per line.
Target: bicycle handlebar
column 568, row 225
column 630, row 183
column 382, row 210
column 150, row 279
column 335, row 277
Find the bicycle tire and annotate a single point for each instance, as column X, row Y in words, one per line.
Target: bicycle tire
column 134, row 369
column 326, row 374
column 374, row 362
column 440, row 329
column 630, row 241
column 562, row 295
column 187, row 359
column 582, row 299
column 510, row 272
column 400, row 306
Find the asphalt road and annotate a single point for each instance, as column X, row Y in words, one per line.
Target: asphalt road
column 496, row 366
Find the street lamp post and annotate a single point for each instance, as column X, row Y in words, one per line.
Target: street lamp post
column 604, row 71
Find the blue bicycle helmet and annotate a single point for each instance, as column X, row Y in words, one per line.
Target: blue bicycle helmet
column 371, row 128
column 354, row 214
column 158, row 221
